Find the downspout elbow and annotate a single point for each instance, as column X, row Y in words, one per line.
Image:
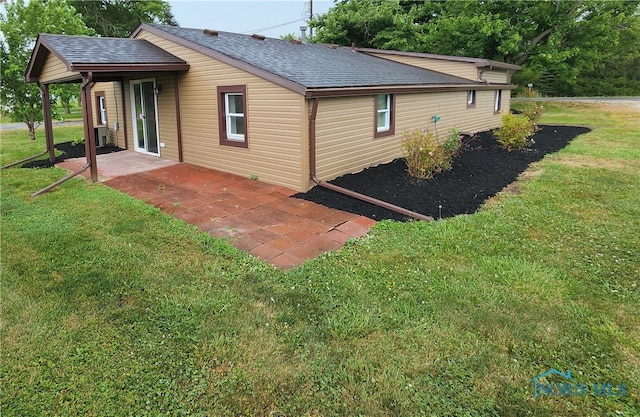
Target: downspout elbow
column 345, row 191
column 486, row 82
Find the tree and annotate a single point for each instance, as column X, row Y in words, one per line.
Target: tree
column 118, row 18
column 558, row 41
column 21, row 24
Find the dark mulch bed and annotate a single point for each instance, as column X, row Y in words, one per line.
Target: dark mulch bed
column 479, row 173
column 70, row 150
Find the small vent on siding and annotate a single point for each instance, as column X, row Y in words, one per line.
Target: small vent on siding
column 210, row 32
column 258, row 37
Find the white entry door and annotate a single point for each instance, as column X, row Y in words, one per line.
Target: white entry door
column 145, row 121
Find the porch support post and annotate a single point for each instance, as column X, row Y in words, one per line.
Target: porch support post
column 87, row 116
column 48, row 125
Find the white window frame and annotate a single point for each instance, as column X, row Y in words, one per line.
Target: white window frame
column 497, row 102
column 471, row 98
column 231, row 116
column 387, row 114
column 103, row 109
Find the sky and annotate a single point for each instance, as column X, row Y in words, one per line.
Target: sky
column 272, row 18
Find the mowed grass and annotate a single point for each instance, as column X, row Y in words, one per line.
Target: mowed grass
column 110, row 307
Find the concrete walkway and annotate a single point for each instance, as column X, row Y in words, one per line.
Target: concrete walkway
column 259, row 218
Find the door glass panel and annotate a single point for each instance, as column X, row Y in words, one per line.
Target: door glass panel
column 149, row 98
column 137, row 92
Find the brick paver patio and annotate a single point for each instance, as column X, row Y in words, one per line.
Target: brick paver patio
column 259, row 218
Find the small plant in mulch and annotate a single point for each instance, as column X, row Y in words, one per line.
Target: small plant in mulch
column 425, row 155
column 533, row 111
column 516, row 132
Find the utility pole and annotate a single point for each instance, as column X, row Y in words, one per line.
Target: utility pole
column 310, row 17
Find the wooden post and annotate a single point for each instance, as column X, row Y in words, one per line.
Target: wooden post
column 48, row 124
column 87, row 116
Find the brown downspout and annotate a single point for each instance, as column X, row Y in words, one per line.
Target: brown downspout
column 176, row 88
column 124, row 115
column 345, row 191
column 481, row 73
column 23, row 160
column 67, row 178
column 48, row 125
column 89, row 139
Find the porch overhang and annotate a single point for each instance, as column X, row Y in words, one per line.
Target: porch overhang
column 60, row 59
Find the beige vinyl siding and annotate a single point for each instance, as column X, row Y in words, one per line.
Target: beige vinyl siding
column 417, row 111
column 115, row 114
column 114, row 107
column 344, row 137
column 167, row 122
column 460, row 69
column 54, row 69
column 493, row 76
column 344, row 127
column 275, row 121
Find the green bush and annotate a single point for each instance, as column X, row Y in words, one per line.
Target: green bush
column 515, row 133
column 533, row 111
column 425, row 155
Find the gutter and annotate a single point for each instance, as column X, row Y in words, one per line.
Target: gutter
column 342, row 190
column 312, row 93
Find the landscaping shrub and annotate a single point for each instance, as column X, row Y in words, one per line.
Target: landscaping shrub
column 533, row 111
column 425, row 155
column 516, row 132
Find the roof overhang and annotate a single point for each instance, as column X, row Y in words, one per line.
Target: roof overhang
column 102, row 71
column 293, row 86
column 478, row 62
column 311, row 92
column 405, row 89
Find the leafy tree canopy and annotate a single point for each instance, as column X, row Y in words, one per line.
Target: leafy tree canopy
column 21, row 23
column 564, row 45
column 118, row 18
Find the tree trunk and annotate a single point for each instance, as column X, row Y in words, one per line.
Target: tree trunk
column 67, row 105
column 32, row 131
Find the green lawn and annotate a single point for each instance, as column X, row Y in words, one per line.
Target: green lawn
column 110, row 307
column 76, row 114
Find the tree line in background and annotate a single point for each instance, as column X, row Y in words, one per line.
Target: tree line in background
column 21, row 23
column 565, row 47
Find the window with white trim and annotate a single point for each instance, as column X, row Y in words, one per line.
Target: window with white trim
column 101, row 108
column 384, row 118
column 471, row 98
column 232, row 115
column 497, row 104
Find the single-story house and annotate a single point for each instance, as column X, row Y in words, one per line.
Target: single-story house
column 286, row 112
